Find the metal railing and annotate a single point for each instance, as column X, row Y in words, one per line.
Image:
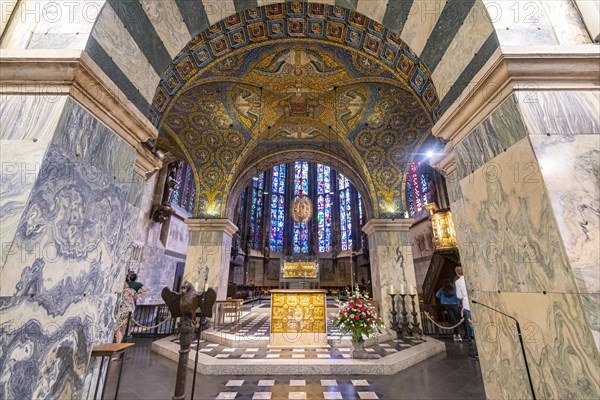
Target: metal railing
column 151, row 315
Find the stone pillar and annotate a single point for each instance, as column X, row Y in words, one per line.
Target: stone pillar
column 210, row 245
column 391, row 262
column 523, row 188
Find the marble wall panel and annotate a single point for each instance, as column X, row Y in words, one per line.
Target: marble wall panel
column 512, row 229
column 212, row 249
column 116, row 41
column 472, row 34
column 521, row 23
column 217, row 10
column 566, row 21
column 60, row 290
column 374, row 9
column 91, row 142
column 570, row 168
column 157, row 270
column 561, row 354
column 563, row 113
column 498, row 132
column 422, row 18
column 391, row 260
column 28, row 123
column 168, row 22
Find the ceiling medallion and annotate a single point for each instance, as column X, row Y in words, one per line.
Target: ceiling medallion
column 302, row 208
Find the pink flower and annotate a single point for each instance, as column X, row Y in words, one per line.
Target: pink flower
column 364, row 315
column 357, row 317
column 351, row 315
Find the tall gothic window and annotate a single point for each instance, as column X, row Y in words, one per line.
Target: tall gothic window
column 277, row 208
column 333, row 199
column 185, row 192
column 420, row 189
column 256, row 211
column 345, row 212
column 324, row 207
column 301, row 188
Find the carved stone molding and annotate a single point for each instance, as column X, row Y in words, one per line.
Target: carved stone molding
column 73, row 73
column 515, row 69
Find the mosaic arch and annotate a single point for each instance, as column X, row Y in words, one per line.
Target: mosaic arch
column 299, row 21
column 222, row 126
column 135, row 42
column 223, row 55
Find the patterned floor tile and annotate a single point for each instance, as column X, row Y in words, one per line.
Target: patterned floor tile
column 297, row 382
column 236, row 382
column 367, row 395
column 360, row 382
column 266, row 382
column 332, row 396
column 328, row 382
column 226, row 395
column 297, row 395
column 262, row 396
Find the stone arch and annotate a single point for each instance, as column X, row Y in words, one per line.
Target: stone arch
column 339, row 163
column 134, row 46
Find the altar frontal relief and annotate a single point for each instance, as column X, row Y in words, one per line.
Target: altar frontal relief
column 298, row 317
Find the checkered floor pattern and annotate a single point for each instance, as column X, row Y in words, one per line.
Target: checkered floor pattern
column 376, row 351
column 274, row 389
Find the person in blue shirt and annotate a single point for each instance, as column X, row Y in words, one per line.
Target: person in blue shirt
column 447, row 296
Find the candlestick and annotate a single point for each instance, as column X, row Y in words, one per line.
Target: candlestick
column 411, row 291
column 402, row 289
column 416, row 329
column 404, row 331
column 394, row 324
column 391, row 289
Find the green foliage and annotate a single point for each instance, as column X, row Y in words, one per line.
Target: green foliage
column 358, row 316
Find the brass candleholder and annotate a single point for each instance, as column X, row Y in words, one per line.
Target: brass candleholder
column 416, row 328
column 394, row 312
column 405, row 329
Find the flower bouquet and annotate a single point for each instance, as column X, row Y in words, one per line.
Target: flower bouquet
column 358, row 316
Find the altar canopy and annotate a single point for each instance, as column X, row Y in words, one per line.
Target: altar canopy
column 298, row 318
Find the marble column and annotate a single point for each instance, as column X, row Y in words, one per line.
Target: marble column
column 391, row 262
column 210, row 245
column 524, row 195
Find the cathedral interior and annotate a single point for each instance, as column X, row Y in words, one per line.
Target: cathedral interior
column 279, row 155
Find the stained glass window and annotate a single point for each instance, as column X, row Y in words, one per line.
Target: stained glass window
column 324, row 207
column 360, row 210
column 345, row 213
column 256, row 211
column 424, row 189
column 411, row 200
column 177, row 190
column 415, row 183
column 185, row 197
column 277, row 208
column 301, row 188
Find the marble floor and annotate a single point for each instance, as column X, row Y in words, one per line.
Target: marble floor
column 378, row 350
column 147, row 375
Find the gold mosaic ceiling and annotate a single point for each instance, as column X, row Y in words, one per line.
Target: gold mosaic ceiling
column 299, row 94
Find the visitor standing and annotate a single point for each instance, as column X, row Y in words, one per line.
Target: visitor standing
column 461, row 293
column 137, row 286
column 447, row 296
column 126, row 309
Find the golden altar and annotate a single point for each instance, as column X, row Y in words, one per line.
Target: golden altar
column 300, row 269
column 298, row 318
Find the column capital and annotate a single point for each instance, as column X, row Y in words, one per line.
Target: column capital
column 388, row 225
column 212, row 225
column 73, row 73
column 520, row 70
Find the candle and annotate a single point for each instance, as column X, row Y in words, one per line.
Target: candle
column 411, row 290
column 205, row 286
column 402, row 289
column 391, row 289
column 196, row 285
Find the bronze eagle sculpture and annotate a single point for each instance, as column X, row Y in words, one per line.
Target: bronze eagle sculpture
column 185, row 303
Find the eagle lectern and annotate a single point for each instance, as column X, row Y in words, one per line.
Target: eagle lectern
column 184, row 305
